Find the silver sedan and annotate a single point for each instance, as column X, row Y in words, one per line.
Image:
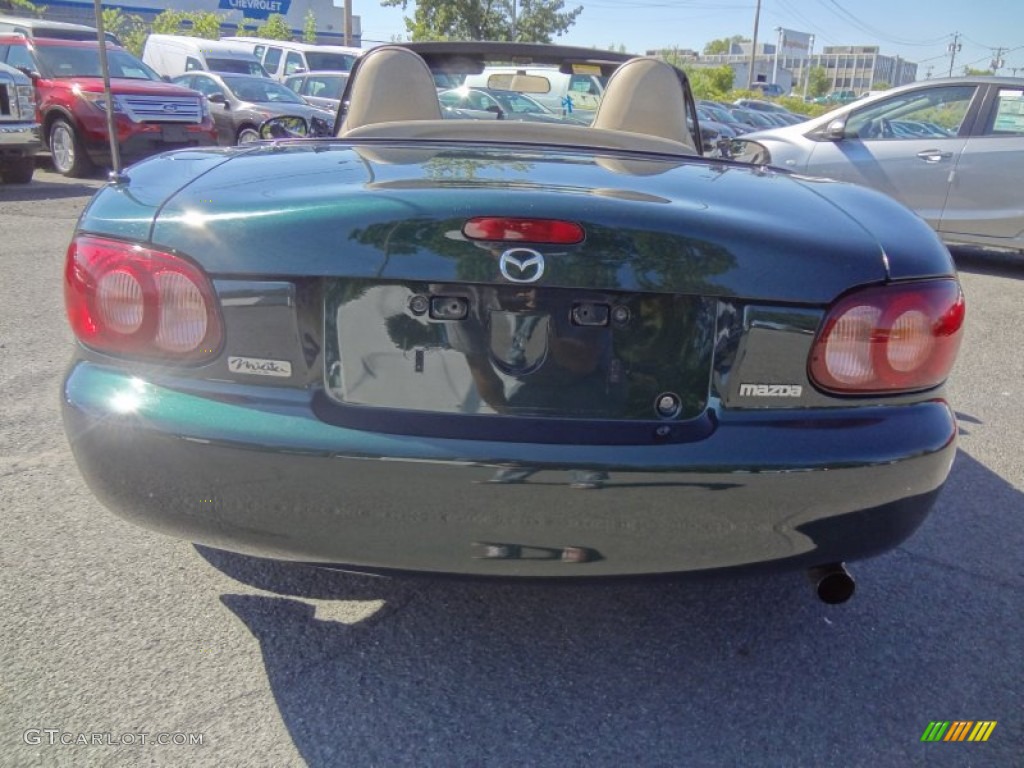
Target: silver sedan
column 951, row 149
column 240, row 103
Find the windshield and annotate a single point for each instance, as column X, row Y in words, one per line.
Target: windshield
column 75, row 61
column 261, row 90
column 236, row 66
column 339, row 62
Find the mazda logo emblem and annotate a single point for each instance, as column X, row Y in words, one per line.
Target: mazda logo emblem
column 521, row 265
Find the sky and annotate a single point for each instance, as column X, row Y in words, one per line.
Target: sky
column 917, row 30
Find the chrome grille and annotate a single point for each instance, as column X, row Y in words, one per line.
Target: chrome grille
column 8, row 101
column 162, row 109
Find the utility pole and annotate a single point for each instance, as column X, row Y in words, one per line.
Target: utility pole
column 953, row 49
column 514, row 30
column 997, row 61
column 348, row 22
column 807, row 66
column 753, row 47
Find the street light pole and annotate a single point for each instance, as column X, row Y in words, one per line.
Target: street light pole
column 810, row 61
column 778, row 47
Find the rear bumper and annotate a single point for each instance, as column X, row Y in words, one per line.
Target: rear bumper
column 254, row 470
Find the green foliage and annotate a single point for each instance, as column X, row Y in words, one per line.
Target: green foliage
column 274, row 28
column 309, row 27
column 22, row 7
column 537, row 21
column 819, row 82
column 169, row 23
column 722, row 45
column 971, row 72
column 880, row 86
column 710, row 82
column 129, row 28
column 204, row 24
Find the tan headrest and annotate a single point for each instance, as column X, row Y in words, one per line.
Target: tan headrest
column 391, row 84
column 645, row 95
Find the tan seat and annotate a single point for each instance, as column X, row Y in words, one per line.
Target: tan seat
column 392, row 84
column 645, row 96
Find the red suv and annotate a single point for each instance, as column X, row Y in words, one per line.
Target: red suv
column 151, row 115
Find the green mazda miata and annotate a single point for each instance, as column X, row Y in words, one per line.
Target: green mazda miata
column 508, row 348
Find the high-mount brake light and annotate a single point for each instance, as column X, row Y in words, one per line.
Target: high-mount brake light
column 901, row 337
column 544, row 231
column 124, row 299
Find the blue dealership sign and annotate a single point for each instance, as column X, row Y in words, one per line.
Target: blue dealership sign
column 256, row 9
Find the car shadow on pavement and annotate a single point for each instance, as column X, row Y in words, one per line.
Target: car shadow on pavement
column 731, row 670
column 45, row 190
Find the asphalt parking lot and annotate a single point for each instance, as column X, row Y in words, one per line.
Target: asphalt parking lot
column 110, row 632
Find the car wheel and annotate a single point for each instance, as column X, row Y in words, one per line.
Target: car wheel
column 69, row 156
column 18, row 171
column 247, row 135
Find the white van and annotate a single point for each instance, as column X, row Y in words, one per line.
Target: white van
column 173, row 55
column 283, row 59
column 550, row 86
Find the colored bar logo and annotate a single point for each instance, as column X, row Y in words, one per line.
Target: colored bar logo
column 958, row 730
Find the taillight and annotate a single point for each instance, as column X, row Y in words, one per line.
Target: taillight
column 503, row 229
column 125, row 299
column 893, row 338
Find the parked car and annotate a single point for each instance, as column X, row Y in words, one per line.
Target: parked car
column 951, row 149
column 284, row 58
column 173, row 55
column 495, row 104
column 19, row 131
column 769, row 89
column 507, row 348
column 240, row 103
column 53, row 29
column 321, row 89
column 151, row 115
column 563, row 92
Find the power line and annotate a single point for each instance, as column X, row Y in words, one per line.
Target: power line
column 849, row 18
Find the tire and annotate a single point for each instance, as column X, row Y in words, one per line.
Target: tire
column 246, row 135
column 69, row 156
column 18, row 171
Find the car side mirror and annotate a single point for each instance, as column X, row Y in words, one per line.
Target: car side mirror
column 218, row 98
column 835, row 130
column 285, row 127
column 742, row 151
column 32, row 74
column 497, row 111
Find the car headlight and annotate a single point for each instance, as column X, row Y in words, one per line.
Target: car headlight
column 26, row 98
column 99, row 100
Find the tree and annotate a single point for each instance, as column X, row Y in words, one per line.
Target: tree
column 22, row 7
column 971, row 72
column 309, row 27
column 536, row 21
column 203, row 24
column 818, row 81
column 881, row 85
column 129, row 28
column 724, row 44
column 274, row 28
column 711, row 82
